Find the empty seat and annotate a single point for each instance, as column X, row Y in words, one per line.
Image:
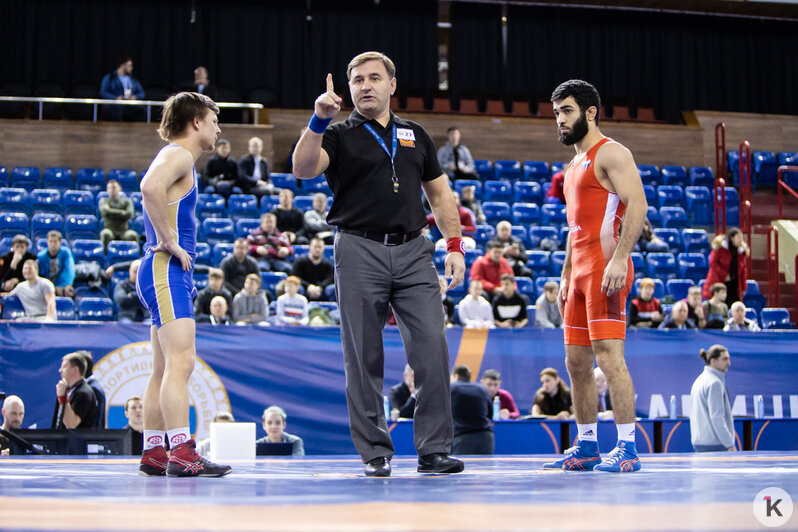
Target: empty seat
column 316, row 184
column 91, row 179
column 497, row 191
column 58, row 178
column 12, row 308
column 525, row 214
column 43, row 222
column 4, row 176
column 678, row 288
column 670, row 196
column 128, row 179
column 242, row 206
column 527, row 192
column 764, row 168
column 526, row 287
column 483, row 234
column 536, row 171
column 671, row 237
column 752, row 287
column 46, row 200
column 699, row 205
column 693, row 266
column 557, row 261
column 695, row 240
column 85, row 250
column 651, row 194
column 121, row 251
column 81, row 226
column 27, row 177
column 673, row 217
column 496, row 211
column 662, row 266
column 215, row 230
column 776, row 318
column 701, row 176
column 135, row 197
column 460, row 184
column 484, row 168
column 471, row 255
column 653, row 216
column 732, row 167
column 204, row 254
column 283, row 181
column 65, row 308
column 211, row 206
column 649, row 174
column 536, row 234
column 245, row 226
column 303, row 203
column 552, row 214
column 269, row 281
column 14, row 199
column 220, row 251
column 785, row 159
column 507, row 169
column 95, row 309
column 732, row 207
column 78, row 202
column 13, row 223
column 539, row 262
column 200, row 280
column 639, row 264
column 137, row 224
column 674, row 175
column 268, row 203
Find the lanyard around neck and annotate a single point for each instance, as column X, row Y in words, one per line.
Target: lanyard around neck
column 391, row 154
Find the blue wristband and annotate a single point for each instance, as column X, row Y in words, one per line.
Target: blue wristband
column 318, row 124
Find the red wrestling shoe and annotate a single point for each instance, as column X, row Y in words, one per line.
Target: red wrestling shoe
column 185, row 462
column 153, row 462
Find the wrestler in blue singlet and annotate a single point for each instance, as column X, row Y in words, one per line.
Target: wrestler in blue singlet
column 162, row 284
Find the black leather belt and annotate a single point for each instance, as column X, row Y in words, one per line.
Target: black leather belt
column 388, row 239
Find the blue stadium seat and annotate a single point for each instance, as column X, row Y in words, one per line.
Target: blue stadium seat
column 245, row 226
column 135, row 197
column 526, row 287
column 557, row 261
column 95, row 309
column 764, row 168
column 13, row 223
column 283, row 181
column 81, row 226
column 776, row 318
column 540, row 282
column 5, row 244
column 558, row 167
column 507, row 170
column 785, row 159
column 732, row 207
column 268, row 203
column 27, row 177
column 564, row 235
column 316, row 184
column 14, row 200
column 462, row 183
column 699, row 205
column 653, row 216
column 536, row 171
column 732, row 167
column 84, row 250
column 659, row 289
column 536, row 234
column 200, row 280
column 693, row 266
column 58, row 178
column 496, row 211
column 78, row 202
column 204, row 254
column 483, row 234
column 670, row 196
column 242, row 206
column 695, row 240
column 471, row 255
column 269, row 281
column 46, row 200
column 701, row 176
column 211, row 206
column 539, row 262
column 497, row 191
column 128, row 179
column 216, row 230
column 678, row 288
column 752, row 287
column 4, row 176
column 662, row 266
column 527, row 192
column 121, row 251
column 12, row 308
column 329, row 253
column 671, row 237
column 649, row 174
column 674, row 175
column 438, row 259
column 137, row 224
column 484, row 168
column 43, row 222
column 639, row 264
column 526, row 214
column 303, row 203
column 220, row 251
column 40, row 245
column 65, row 308
column 673, row 217
column 651, row 194
column 552, row 214
column 91, row 179
column 521, row 233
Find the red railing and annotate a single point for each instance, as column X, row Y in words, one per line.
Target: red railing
column 785, row 186
column 745, row 193
column 720, row 151
column 719, row 189
column 720, row 205
column 773, row 266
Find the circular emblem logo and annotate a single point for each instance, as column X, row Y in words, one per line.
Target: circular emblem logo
column 124, row 373
column 772, row 507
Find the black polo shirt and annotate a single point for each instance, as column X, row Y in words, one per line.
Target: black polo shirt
column 359, row 175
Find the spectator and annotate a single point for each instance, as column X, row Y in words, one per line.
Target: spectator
column 403, row 396
column 678, row 319
column 738, row 321
column 36, row 294
column 77, row 405
column 695, row 311
column 237, row 266
column 715, row 309
column 492, row 381
column 201, row 83
column 96, row 388
column 221, row 171
column 471, row 415
column 547, row 313
column 556, row 194
column 11, row 263
column 448, row 302
column 202, row 304
column 219, row 314
column 553, row 398
column 490, row 267
column 268, row 245
column 121, row 85
column 253, row 171
column 57, row 264
column 13, row 414
column 509, row 307
column 116, row 211
column 292, row 307
column 475, row 312
column 131, row 309
column 513, row 249
column 469, row 201
column 604, row 402
column 316, row 225
column 455, row 158
column 315, row 272
column 728, row 264
column 204, row 446
column 290, row 219
column 274, row 419
column 466, row 225
column 134, row 412
column 645, row 311
column 250, row 305
column 649, row 241
column 711, row 422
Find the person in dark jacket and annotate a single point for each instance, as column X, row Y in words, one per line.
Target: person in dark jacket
column 471, row 414
column 121, row 85
column 221, row 171
column 253, row 170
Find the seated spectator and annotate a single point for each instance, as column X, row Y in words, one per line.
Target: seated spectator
column 738, row 321
column 292, row 307
column 116, row 211
column 219, row 312
column 134, row 412
column 547, row 314
column 455, row 158
column 201, row 83
column 290, row 219
column 77, row 406
column 250, row 305
column 274, row 419
column 315, row 272
column 36, row 294
column 448, row 302
column 121, row 85
column 648, row 241
column 556, row 194
column 316, row 225
column 96, row 388
column 11, row 263
column 221, row 171
column 268, row 245
column 490, row 267
column 509, row 307
column 471, row 415
column 492, row 381
column 469, row 201
column 677, row 319
column 131, row 309
column 204, row 446
column 474, row 311
column 553, row 398
column 403, row 396
column 237, row 266
column 202, row 304
column 513, row 249
column 645, row 311
column 253, row 171
column 467, row 226
column 13, row 414
column 715, row 308
column 604, row 401
column 695, row 311
column 57, row 264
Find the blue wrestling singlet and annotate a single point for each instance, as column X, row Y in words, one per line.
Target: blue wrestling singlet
column 162, row 285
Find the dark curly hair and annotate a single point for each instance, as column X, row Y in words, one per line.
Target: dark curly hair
column 584, row 93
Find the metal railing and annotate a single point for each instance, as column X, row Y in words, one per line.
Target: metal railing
column 773, row 266
column 719, row 189
column 96, row 102
column 785, row 186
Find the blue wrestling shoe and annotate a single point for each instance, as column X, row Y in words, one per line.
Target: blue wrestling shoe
column 582, row 457
column 622, row 459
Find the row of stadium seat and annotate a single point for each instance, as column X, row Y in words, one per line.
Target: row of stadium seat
column 764, row 167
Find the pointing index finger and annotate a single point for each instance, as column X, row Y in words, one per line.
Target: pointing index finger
column 330, row 87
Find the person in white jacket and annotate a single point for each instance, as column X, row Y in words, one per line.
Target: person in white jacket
column 474, row 310
column 711, row 422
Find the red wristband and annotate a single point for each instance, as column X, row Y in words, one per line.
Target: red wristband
column 455, row 244
column 61, row 399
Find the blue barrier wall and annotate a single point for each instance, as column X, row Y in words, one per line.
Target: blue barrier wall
column 301, row 369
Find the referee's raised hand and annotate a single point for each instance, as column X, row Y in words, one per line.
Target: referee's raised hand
column 328, row 104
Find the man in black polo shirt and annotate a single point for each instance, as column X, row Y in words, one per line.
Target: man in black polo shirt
column 77, row 406
column 376, row 165
column 471, row 412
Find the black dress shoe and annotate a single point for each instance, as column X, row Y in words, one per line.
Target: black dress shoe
column 439, row 463
column 378, row 467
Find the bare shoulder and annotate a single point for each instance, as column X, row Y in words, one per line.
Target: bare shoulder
column 171, row 163
column 613, row 155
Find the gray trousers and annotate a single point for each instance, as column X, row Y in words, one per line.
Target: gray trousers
column 369, row 276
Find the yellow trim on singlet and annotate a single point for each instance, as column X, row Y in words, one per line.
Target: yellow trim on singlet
column 160, row 279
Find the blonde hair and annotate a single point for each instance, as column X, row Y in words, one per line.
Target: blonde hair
column 368, row 56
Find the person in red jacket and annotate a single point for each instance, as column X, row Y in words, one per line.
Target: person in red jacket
column 728, row 264
column 490, row 267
